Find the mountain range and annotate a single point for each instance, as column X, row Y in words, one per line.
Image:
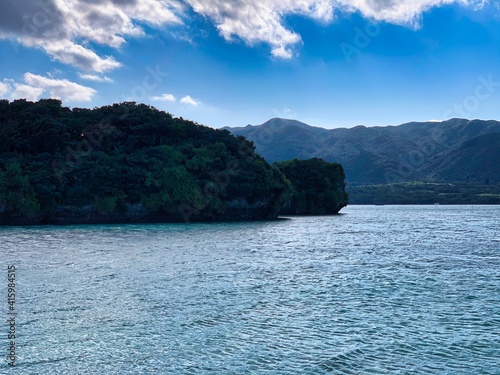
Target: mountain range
column 456, row 150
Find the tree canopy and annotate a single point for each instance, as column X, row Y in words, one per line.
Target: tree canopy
column 318, row 186
column 114, row 162
column 130, row 162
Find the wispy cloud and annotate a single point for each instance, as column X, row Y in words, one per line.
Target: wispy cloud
column 164, row 98
column 95, row 78
column 34, row 86
column 401, row 12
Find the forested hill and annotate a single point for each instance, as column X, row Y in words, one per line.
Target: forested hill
column 127, row 163
column 457, row 150
column 133, row 163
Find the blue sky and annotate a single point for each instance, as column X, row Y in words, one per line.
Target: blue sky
column 329, row 63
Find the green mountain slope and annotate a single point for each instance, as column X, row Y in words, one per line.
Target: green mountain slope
column 475, row 161
column 378, row 155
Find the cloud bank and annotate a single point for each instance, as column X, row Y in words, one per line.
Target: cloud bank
column 65, row 29
column 262, row 21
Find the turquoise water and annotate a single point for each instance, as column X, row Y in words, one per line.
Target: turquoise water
column 376, row 290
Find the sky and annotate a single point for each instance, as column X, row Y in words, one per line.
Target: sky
column 328, row 63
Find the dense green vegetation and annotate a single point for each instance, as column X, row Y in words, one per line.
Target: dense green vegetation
column 318, row 186
column 424, row 193
column 127, row 162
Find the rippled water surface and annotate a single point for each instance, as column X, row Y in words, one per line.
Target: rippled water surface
column 376, row 290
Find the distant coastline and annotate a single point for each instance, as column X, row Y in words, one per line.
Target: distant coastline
column 418, row 193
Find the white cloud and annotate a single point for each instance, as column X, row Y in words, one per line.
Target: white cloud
column 189, row 100
column 79, row 56
column 65, row 29
column 22, row 91
column 261, row 21
column 34, row 86
column 4, row 88
column 402, row 12
column 257, row 21
column 95, row 78
column 61, row 88
column 164, row 98
column 171, row 98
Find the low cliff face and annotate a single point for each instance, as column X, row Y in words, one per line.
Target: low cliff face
column 318, row 187
column 137, row 213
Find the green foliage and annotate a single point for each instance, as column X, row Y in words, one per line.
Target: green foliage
column 16, row 192
column 318, row 186
column 105, row 205
column 120, row 157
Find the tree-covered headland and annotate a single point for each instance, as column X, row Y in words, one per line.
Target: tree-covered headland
column 130, row 162
column 318, row 187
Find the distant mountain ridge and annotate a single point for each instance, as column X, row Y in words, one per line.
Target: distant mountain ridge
column 456, row 150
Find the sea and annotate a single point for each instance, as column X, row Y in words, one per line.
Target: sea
column 373, row 290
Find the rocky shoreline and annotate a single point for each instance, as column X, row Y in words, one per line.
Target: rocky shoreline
column 239, row 210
